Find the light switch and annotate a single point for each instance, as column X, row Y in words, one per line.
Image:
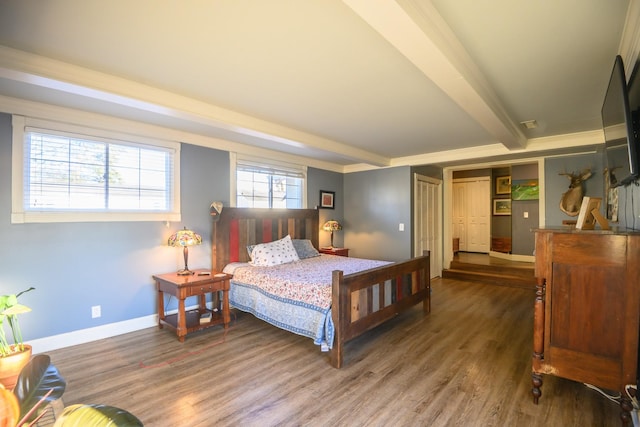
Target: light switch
column 401, row 227
column 526, row 214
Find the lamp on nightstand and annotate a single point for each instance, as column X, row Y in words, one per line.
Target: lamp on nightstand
column 332, row 225
column 185, row 238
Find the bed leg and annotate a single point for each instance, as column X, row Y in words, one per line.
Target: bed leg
column 339, row 313
column 426, row 304
column 336, row 356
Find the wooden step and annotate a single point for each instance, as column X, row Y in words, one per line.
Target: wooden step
column 490, row 278
column 514, row 269
column 519, row 275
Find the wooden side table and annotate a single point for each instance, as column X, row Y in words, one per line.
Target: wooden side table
column 335, row 251
column 198, row 284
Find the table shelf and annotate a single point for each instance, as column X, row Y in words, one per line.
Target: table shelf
column 193, row 320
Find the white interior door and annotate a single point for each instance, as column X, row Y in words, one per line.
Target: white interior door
column 428, row 236
column 479, row 215
column 459, row 217
column 471, row 213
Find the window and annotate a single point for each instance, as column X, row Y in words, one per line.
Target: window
column 269, row 185
column 70, row 176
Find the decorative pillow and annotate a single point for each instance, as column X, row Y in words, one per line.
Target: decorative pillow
column 305, row 248
column 250, row 249
column 274, row 253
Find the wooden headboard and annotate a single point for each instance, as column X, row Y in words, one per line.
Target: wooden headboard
column 238, row 227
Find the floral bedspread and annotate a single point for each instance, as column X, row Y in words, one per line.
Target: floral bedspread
column 295, row 296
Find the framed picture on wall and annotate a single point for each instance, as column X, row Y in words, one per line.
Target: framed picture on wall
column 525, row 189
column 502, row 206
column 327, row 199
column 503, row 185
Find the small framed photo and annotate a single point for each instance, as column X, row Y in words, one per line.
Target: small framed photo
column 502, row 206
column 327, row 199
column 587, row 218
column 503, row 185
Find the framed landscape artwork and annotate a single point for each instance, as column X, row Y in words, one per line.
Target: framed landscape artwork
column 502, row 206
column 525, row 189
column 503, row 185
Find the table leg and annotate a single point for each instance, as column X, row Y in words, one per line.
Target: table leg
column 160, row 307
column 181, row 330
column 226, row 315
column 215, row 300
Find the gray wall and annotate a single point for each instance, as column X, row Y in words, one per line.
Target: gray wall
column 500, row 224
column 376, row 202
column 522, row 237
column 318, row 179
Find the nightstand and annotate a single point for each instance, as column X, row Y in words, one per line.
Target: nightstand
column 335, row 251
column 196, row 285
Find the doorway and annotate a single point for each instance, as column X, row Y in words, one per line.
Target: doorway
column 447, row 201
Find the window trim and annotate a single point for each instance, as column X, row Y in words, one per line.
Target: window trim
column 234, row 158
column 20, row 216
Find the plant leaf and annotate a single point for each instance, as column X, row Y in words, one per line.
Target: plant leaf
column 16, row 309
column 35, row 380
column 94, row 415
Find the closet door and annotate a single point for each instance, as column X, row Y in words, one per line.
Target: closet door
column 427, row 221
column 471, row 208
column 459, row 209
column 479, row 216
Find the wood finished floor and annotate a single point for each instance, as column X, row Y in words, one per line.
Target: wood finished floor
column 465, row 364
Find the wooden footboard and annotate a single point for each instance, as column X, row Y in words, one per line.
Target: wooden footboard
column 364, row 300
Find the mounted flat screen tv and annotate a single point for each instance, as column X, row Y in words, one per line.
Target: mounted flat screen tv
column 620, row 130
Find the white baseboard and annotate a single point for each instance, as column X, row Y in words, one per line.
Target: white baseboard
column 55, row 342
column 83, row 336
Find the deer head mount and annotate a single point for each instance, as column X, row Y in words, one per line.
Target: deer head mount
column 572, row 198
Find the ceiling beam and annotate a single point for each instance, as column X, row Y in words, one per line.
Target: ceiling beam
column 418, row 31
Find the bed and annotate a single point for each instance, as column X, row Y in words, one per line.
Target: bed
column 347, row 296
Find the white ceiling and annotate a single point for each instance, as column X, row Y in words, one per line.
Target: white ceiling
column 351, row 83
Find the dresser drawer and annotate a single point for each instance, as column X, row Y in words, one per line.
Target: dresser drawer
column 202, row 289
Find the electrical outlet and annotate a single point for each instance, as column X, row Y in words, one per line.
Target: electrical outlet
column 96, row 311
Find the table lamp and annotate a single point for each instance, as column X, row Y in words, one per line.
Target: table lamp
column 331, row 225
column 185, row 238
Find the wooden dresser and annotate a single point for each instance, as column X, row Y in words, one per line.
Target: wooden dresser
column 587, row 309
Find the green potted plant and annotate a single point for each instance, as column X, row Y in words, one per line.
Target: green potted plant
column 14, row 354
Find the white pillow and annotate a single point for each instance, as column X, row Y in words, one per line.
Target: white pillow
column 274, row 253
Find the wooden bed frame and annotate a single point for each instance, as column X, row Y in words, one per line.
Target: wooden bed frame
column 356, row 297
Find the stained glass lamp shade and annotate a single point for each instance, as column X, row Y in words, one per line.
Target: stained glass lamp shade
column 332, row 225
column 185, row 238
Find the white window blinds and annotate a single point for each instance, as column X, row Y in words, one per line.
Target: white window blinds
column 67, row 172
column 262, row 184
